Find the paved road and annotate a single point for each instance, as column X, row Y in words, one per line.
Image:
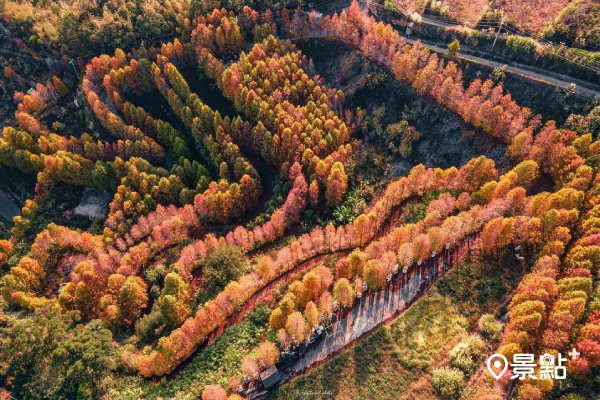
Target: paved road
column 590, row 92
column 365, row 316
column 559, row 80
column 377, row 308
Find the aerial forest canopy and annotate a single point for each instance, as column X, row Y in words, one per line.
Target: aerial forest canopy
column 242, row 226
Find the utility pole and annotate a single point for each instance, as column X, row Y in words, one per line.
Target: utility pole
column 74, row 68
column 498, row 33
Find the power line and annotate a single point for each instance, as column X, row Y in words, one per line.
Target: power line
column 498, row 33
column 591, row 65
column 557, row 85
column 528, row 34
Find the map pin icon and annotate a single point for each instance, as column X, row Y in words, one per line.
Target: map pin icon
column 497, row 364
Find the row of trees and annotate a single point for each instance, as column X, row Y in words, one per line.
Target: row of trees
column 300, row 309
column 271, row 85
column 50, row 143
column 178, row 346
column 96, row 285
column 546, row 307
column 585, row 256
column 482, row 104
column 285, row 216
column 215, row 134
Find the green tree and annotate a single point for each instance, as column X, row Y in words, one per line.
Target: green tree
column 448, row 382
column 175, row 301
column 26, row 347
column 84, row 360
column 468, row 354
column 453, row 48
column 46, row 355
column 488, row 325
column 223, row 265
column 132, row 298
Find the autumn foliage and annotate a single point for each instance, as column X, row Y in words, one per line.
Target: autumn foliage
column 169, row 208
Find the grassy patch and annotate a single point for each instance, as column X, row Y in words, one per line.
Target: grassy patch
column 395, row 360
column 218, row 363
column 480, row 284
